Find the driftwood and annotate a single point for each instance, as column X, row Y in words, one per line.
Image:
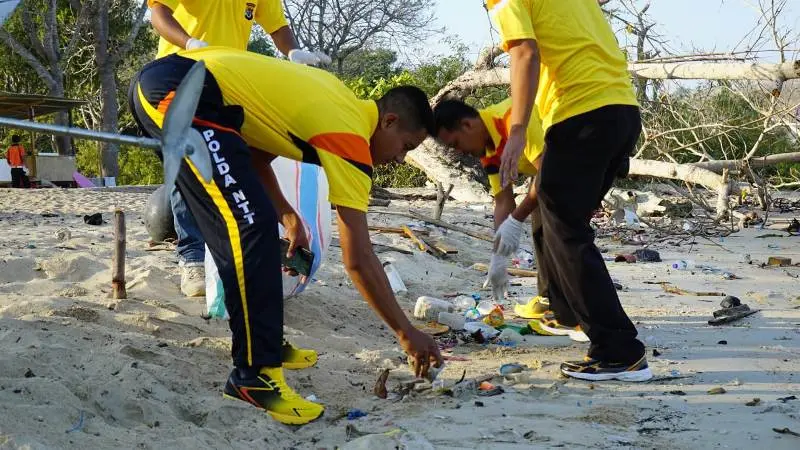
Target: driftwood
column 441, row 197
column 439, row 223
column 118, row 258
column 378, row 202
column 421, row 243
column 511, row 271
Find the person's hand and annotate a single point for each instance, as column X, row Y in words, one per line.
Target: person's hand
column 422, row 349
column 509, row 160
column 193, row 44
column 300, row 56
column 295, row 233
column 498, row 277
column 507, row 236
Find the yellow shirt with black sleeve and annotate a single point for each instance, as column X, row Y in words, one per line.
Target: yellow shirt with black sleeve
column 227, row 23
column 302, row 113
column 496, row 120
column 582, row 67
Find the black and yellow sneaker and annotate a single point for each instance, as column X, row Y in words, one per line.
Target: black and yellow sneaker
column 596, row 370
column 549, row 326
column 268, row 390
column 536, row 308
column 297, row 358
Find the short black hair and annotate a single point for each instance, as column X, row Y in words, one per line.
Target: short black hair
column 15, row 139
column 450, row 113
column 411, row 103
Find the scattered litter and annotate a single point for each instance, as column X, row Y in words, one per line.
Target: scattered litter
column 487, row 331
column 29, row 374
column 428, row 308
column 93, row 219
column 524, row 259
column 677, row 392
column 487, row 389
column 395, row 281
column 717, row 391
column 453, row 320
column 723, row 342
column 656, row 353
column 312, row 398
column 730, row 276
column 479, row 404
column 779, row 261
column 495, row 317
column 728, row 315
column 508, row 369
column 794, row 226
column 730, row 302
column 354, row 414
column 79, row 425
column 380, row 385
column 786, row 431
column 672, row 289
column 465, row 302
column 630, row 259
column 753, row 402
column 618, row 286
column 647, row 255
column 786, row 399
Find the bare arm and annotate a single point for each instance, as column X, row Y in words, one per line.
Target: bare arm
column 284, row 39
column 524, row 82
column 167, row 27
column 530, row 202
column 367, row 274
column 504, row 204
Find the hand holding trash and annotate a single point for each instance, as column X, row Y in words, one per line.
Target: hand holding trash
column 193, row 44
column 506, row 239
column 422, row 349
column 498, row 276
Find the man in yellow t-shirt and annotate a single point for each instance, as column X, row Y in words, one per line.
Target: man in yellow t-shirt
column 483, row 134
column 191, row 24
column 565, row 60
column 252, row 109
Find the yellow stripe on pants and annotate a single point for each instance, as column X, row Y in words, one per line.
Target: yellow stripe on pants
column 227, row 215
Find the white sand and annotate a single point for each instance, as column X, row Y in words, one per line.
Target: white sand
column 147, row 372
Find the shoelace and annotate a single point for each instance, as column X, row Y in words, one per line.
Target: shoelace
column 286, row 392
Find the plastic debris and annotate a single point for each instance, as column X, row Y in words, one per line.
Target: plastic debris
column 647, row 255
column 79, row 425
column 717, row 391
column 355, row 413
column 508, row 369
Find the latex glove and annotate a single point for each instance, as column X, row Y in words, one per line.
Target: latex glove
column 507, row 236
column 306, row 57
column 193, row 44
column 498, row 276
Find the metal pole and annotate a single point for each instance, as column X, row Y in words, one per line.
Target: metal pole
column 81, row 133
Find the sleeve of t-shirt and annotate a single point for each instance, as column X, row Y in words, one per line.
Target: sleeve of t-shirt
column 512, row 18
column 345, row 159
column 269, row 15
column 171, row 4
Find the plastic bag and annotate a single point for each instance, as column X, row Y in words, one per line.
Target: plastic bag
column 306, row 189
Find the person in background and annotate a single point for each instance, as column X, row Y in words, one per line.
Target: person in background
column 566, row 61
column 483, row 134
column 192, row 24
column 15, row 156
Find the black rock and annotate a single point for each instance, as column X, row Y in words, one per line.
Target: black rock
column 730, row 302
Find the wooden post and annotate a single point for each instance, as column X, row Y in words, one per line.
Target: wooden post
column 118, row 259
column 441, row 197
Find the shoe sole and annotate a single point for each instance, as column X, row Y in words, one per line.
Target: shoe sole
column 632, row 376
column 298, row 365
column 282, row 418
column 579, row 336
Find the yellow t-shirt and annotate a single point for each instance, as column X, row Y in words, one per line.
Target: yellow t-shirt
column 496, row 118
column 227, row 23
column 582, row 67
column 302, row 113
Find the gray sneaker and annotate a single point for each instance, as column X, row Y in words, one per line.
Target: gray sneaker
column 193, row 279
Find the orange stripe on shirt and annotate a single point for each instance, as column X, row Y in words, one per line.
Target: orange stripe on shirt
column 163, row 105
column 346, row 145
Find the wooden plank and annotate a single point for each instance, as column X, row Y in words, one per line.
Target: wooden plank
column 443, row 247
column 511, row 270
column 436, row 251
column 397, row 230
column 421, row 243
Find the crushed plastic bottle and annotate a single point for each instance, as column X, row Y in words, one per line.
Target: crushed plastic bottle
column 683, row 265
column 464, row 302
column 524, row 259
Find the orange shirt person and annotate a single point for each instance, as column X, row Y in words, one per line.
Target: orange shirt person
column 15, row 156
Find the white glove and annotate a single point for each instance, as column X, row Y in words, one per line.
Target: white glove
column 193, row 44
column 306, row 57
column 507, row 237
column 498, row 276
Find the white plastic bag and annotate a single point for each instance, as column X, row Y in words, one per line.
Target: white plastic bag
column 306, row 189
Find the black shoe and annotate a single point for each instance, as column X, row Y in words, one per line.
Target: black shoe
column 596, row 370
column 267, row 390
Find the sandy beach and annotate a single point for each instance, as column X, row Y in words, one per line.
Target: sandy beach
column 81, row 370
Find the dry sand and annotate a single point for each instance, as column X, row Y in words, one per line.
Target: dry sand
column 147, row 372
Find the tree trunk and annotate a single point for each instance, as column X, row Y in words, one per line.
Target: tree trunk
column 446, row 166
column 761, row 161
column 698, row 70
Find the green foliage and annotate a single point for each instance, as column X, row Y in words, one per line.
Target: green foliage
column 369, row 65
column 261, row 43
column 139, row 166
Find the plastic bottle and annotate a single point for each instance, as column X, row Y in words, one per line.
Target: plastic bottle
column 487, row 331
column 394, row 278
column 428, row 308
column 683, row 265
column 453, row 320
column 485, row 308
column 524, row 259
column 464, row 302
column 472, row 315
